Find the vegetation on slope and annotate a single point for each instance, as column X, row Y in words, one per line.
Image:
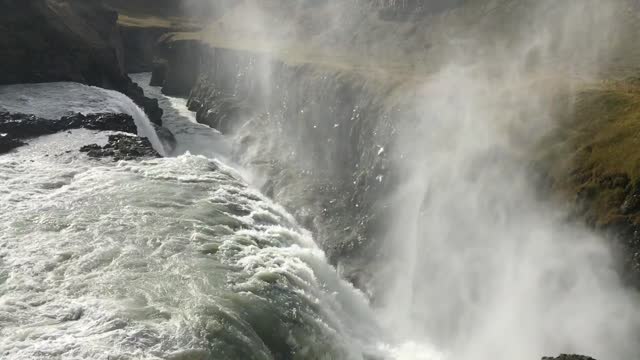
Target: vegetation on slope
column 593, row 154
column 593, row 159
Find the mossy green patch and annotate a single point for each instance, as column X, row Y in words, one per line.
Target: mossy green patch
column 594, row 154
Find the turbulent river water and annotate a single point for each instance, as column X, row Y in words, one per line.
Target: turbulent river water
column 181, row 258
column 171, row 258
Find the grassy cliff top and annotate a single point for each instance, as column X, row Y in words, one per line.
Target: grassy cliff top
column 170, row 14
column 348, row 36
column 594, row 154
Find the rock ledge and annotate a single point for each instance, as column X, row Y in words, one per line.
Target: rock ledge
column 122, row 147
column 16, row 127
column 569, row 357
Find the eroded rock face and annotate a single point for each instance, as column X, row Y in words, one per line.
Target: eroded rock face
column 139, row 43
column 122, row 147
column 178, row 72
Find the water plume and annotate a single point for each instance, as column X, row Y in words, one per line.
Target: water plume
column 485, row 268
column 481, row 267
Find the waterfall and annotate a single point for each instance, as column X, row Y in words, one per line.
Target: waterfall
column 486, row 269
column 173, row 258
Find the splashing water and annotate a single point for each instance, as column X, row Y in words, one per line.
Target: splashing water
column 178, row 258
column 486, row 270
column 173, row 258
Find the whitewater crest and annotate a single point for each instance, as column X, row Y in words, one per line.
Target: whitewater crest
column 172, row 258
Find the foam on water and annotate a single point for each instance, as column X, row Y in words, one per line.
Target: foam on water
column 199, row 139
column 166, row 258
column 171, row 258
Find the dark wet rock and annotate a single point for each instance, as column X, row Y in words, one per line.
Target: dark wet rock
column 167, row 138
column 158, row 73
column 103, row 122
column 22, row 126
column 66, row 40
column 139, row 43
column 150, row 106
column 14, row 127
column 631, row 203
column 8, row 143
column 122, row 147
column 569, row 357
column 183, row 64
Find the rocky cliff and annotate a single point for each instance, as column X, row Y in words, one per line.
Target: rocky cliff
column 316, row 136
column 66, row 40
column 138, row 44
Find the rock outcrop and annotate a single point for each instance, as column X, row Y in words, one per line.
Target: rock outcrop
column 24, row 126
column 66, row 40
column 139, row 44
column 569, row 357
column 8, row 143
column 14, row 128
column 122, row 147
column 178, row 66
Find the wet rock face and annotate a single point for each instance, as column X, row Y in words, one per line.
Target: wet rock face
column 178, row 72
column 15, row 127
column 139, row 43
column 8, row 143
column 122, row 147
column 569, row 357
column 158, row 73
column 23, row 126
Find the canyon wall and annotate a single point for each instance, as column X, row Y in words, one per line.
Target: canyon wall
column 319, row 140
column 316, row 139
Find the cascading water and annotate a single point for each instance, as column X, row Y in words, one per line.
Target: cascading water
column 191, row 136
column 178, row 258
column 485, row 269
column 172, row 258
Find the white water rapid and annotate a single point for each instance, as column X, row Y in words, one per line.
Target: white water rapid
column 171, row 258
